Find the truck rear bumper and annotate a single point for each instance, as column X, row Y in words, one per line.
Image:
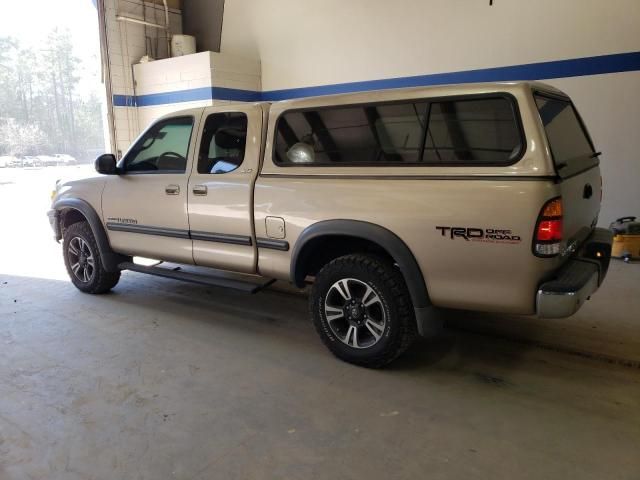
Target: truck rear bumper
column 578, row 279
column 563, row 296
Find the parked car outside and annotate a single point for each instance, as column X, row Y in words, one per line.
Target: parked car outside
column 29, row 161
column 47, row 160
column 65, row 159
column 9, row 161
column 37, row 162
column 5, row 161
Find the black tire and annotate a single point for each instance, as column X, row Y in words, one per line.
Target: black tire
column 78, row 237
column 393, row 301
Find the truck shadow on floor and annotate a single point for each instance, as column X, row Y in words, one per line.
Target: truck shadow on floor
column 281, row 319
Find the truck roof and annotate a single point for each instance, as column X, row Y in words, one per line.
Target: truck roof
column 393, row 94
column 411, row 93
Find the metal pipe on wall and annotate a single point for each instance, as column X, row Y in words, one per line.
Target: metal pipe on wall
column 106, row 74
column 123, row 18
column 167, row 27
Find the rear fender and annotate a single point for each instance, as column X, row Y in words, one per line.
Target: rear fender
column 428, row 323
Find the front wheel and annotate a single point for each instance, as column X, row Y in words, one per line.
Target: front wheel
column 362, row 310
column 83, row 261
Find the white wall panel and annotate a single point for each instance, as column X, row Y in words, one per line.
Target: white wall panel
column 309, row 42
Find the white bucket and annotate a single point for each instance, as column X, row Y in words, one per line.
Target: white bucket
column 182, row 45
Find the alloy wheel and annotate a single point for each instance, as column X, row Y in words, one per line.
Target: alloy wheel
column 355, row 313
column 81, row 259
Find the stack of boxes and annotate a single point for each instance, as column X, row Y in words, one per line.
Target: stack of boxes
column 190, row 81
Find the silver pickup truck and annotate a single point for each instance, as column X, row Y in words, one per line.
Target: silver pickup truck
column 390, row 203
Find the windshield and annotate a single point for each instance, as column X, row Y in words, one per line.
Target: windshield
column 569, row 142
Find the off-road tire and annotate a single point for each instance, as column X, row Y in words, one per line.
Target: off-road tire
column 388, row 283
column 100, row 281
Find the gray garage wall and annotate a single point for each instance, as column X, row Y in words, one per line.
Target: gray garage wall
column 330, row 43
column 203, row 19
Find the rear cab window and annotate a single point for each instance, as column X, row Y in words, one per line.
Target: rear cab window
column 570, row 144
column 223, row 142
column 471, row 130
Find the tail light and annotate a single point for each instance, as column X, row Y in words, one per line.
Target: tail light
column 548, row 233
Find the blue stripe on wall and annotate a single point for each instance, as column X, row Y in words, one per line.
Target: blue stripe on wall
column 221, row 93
column 124, row 101
column 191, row 95
column 620, row 62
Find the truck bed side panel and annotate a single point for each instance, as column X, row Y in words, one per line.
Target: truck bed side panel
column 483, row 271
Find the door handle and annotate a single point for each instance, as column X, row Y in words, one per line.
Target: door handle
column 172, row 189
column 200, row 190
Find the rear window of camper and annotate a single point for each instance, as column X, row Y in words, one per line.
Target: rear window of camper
column 461, row 131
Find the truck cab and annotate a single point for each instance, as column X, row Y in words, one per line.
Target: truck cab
column 186, row 185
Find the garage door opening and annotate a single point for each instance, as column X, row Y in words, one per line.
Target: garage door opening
column 51, row 97
column 52, row 104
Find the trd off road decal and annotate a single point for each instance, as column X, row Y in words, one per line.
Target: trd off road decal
column 488, row 235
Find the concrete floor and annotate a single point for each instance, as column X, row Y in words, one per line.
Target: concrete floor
column 161, row 379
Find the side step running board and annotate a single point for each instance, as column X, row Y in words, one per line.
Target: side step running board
column 213, row 281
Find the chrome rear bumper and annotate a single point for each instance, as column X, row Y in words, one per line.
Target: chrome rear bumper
column 578, row 279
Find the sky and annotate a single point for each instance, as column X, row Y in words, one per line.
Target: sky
column 29, row 21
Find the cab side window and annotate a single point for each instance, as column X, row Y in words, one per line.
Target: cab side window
column 223, row 142
column 163, row 148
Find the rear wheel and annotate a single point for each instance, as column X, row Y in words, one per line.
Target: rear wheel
column 362, row 310
column 83, row 261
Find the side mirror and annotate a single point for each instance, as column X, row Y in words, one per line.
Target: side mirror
column 106, row 164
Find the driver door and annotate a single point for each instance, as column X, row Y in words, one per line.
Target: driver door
column 145, row 206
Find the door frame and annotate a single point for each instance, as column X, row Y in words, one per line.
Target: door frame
column 228, row 241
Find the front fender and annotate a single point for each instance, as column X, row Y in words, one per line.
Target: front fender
column 110, row 259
